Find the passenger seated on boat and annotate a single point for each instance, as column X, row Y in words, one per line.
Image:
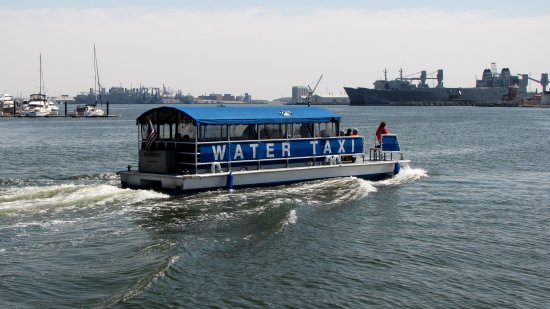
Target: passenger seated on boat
column 182, row 138
column 265, row 133
column 278, row 131
column 250, row 132
column 272, row 131
column 295, row 130
column 350, row 132
column 347, row 158
column 306, row 130
column 324, row 133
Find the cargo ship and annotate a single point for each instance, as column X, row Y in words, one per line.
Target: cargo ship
column 492, row 88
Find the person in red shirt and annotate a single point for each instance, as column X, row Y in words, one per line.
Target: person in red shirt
column 381, row 130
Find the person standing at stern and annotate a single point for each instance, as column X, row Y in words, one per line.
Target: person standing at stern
column 381, row 130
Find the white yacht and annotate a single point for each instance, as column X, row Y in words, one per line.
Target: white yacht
column 38, row 104
column 93, row 111
column 6, row 103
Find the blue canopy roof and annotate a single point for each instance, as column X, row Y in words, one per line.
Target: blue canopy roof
column 219, row 115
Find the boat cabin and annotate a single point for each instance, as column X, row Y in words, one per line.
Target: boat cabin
column 201, row 139
column 37, row 97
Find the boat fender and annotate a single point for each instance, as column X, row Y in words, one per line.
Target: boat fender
column 215, row 167
column 396, row 168
column 229, row 182
column 337, row 159
column 329, row 160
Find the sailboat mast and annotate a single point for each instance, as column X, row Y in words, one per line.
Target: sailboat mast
column 96, row 78
column 41, row 76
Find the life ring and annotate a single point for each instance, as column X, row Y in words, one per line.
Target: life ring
column 215, row 167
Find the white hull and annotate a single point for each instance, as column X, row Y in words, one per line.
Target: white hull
column 6, row 101
column 8, row 108
column 253, row 178
column 38, row 114
column 89, row 111
column 94, row 113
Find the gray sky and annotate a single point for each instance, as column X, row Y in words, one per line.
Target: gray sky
column 264, row 47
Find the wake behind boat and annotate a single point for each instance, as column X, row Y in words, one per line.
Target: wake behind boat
column 203, row 148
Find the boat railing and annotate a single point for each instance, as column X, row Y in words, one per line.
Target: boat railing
column 186, row 156
column 389, row 145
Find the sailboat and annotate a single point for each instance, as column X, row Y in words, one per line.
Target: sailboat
column 92, row 110
column 38, row 105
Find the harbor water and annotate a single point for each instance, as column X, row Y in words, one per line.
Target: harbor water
column 467, row 225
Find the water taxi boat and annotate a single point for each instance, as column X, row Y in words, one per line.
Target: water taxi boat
column 197, row 148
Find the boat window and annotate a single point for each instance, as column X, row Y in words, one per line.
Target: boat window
column 166, row 131
column 302, row 130
column 144, row 128
column 186, row 129
column 213, row 133
column 243, row 132
column 143, row 131
column 326, row 129
column 272, row 131
column 294, row 130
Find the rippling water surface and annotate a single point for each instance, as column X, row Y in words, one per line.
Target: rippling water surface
column 467, row 225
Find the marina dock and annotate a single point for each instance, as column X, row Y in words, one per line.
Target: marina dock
column 66, row 113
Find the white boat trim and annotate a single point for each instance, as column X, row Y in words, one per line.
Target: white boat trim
column 373, row 170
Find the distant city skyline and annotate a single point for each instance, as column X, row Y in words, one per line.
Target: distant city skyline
column 265, row 47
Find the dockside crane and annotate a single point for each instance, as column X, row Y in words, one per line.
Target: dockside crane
column 310, row 91
column 543, row 80
column 424, row 77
